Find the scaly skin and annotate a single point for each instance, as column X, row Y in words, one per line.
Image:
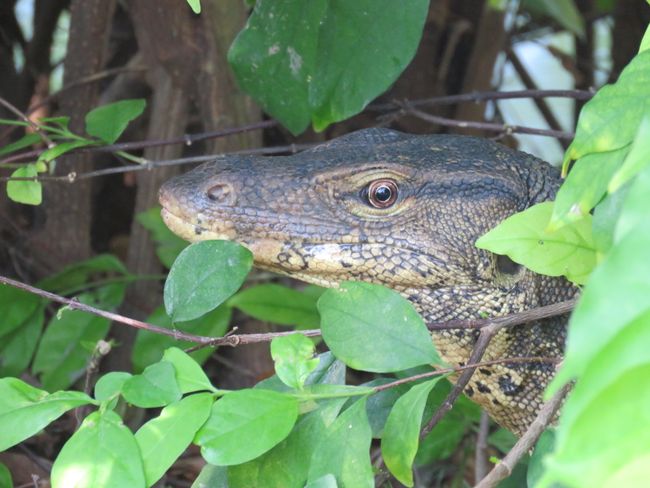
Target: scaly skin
column 308, row 216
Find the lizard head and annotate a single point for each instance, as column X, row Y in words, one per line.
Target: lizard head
column 376, row 205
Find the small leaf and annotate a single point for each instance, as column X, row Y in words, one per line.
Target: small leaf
column 60, row 149
column 189, row 374
column 103, row 452
column 23, row 191
column 203, row 276
column 568, row 251
column 25, row 141
column 245, row 424
column 110, row 385
column 155, row 387
column 109, row 121
column 17, row 307
column 163, row 439
column 344, row 450
column 294, row 359
column 25, row 410
column 77, row 274
column 5, row 477
column 372, row 328
column 195, row 5
column 212, row 477
column 564, row 12
column 401, row 438
column 278, row 304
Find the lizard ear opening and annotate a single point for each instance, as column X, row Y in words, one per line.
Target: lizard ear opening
column 507, row 266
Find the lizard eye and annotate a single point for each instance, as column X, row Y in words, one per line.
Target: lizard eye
column 382, row 193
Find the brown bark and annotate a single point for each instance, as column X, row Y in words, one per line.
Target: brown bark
column 61, row 234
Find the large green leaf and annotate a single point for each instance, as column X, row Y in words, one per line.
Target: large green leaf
column 637, row 159
column 324, row 60
column 67, row 344
column 401, row 438
column 25, row 410
column 611, row 119
column 568, row 251
column 634, row 207
column 149, row 346
column 245, row 424
column 344, row 450
column 278, row 304
column 109, row 121
column 17, row 347
column 287, row 464
column 585, row 186
column 203, row 276
column 102, row 453
column 372, row 328
column 163, row 439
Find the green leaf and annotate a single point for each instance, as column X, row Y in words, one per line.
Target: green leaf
column 610, row 120
column 23, row 191
column 645, row 41
column 17, row 347
column 60, row 149
column 25, row 410
column 62, row 355
column 621, row 279
column 278, row 304
column 585, row 186
column 324, row 60
column 604, row 429
column 379, row 405
column 103, row 452
column 168, row 244
column 110, row 385
column 155, row 387
column 245, row 424
column 25, row 141
column 203, row 276
column 212, row 477
column 634, row 206
column 344, row 450
column 401, row 438
column 149, row 346
column 543, row 448
column 189, row 374
column 372, row 328
column 109, row 121
column 77, row 274
column 17, row 307
column 564, row 12
column 568, row 251
column 637, row 159
column 195, row 5
column 163, row 439
column 606, row 216
column 287, row 464
column 5, row 477
column 293, row 356
column 327, row 481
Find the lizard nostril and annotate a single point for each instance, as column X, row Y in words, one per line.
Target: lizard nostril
column 221, row 193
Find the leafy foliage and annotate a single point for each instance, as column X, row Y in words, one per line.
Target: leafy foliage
column 323, row 61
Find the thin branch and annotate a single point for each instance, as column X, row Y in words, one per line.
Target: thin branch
column 477, row 97
column 35, row 127
column 518, row 318
column 481, row 466
column 488, row 126
column 526, row 442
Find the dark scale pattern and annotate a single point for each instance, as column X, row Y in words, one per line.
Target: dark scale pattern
column 306, row 216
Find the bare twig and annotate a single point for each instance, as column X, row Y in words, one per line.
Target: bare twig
column 526, row 442
column 481, row 466
column 488, row 126
column 35, row 127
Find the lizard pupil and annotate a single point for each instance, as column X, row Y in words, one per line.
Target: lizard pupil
column 382, row 193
